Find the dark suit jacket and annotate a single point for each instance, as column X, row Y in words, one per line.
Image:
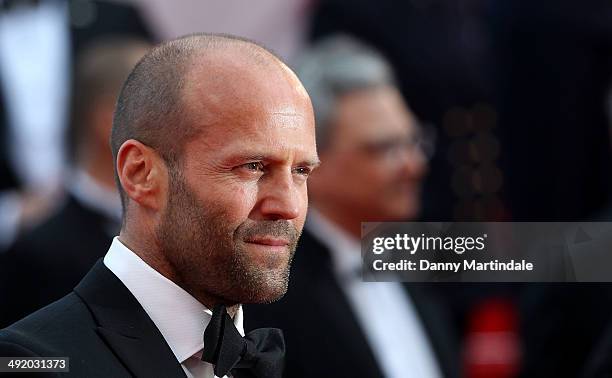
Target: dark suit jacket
column 564, row 329
column 100, row 326
column 46, row 263
column 323, row 336
column 599, row 364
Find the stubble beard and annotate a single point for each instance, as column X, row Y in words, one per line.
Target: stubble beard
column 208, row 255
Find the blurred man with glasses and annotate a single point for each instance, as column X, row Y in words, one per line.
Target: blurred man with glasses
column 373, row 163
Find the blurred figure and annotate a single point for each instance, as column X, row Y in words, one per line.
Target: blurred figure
column 48, row 261
column 441, row 55
column 38, row 43
column 368, row 141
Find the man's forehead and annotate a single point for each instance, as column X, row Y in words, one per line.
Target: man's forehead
column 216, row 92
column 282, row 131
column 286, row 129
column 246, row 99
column 288, row 117
column 373, row 113
column 229, row 69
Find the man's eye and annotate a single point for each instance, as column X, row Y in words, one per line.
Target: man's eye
column 305, row 171
column 254, row 166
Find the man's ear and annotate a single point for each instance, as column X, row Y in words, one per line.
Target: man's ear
column 142, row 173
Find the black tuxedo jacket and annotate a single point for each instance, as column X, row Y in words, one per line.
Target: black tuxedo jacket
column 599, row 365
column 48, row 262
column 323, row 337
column 101, row 327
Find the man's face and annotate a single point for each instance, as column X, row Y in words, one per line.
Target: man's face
column 373, row 164
column 237, row 202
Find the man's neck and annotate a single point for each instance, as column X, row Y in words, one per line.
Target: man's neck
column 150, row 253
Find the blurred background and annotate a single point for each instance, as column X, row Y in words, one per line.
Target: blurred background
column 512, row 102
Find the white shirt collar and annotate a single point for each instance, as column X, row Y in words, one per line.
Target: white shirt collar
column 94, row 195
column 180, row 318
column 345, row 250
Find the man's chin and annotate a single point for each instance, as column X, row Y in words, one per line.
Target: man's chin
column 268, row 258
column 270, row 297
column 270, row 289
column 264, row 298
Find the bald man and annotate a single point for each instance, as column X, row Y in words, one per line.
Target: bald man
column 213, row 141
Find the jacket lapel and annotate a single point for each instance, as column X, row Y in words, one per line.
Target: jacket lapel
column 325, row 293
column 435, row 317
column 316, row 269
column 125, row 327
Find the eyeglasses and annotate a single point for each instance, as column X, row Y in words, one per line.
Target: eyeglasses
column 421, row 142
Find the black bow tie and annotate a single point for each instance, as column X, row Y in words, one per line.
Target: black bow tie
column 259, row 354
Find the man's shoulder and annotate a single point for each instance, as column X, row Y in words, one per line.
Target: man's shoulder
column 70, row 215
column 65, row 328
column 50, row 330
column 46, row 253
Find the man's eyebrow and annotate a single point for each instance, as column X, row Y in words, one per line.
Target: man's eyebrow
column 253, row 156
column 313, row 163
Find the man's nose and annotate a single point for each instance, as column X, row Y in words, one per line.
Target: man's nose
column 280, row 197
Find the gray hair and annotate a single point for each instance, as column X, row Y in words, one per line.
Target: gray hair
column 334, row 67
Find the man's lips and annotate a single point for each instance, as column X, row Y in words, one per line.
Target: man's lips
column 268, row 240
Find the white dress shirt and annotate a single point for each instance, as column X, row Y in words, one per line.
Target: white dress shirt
column 395, row 334
column 180, row 318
